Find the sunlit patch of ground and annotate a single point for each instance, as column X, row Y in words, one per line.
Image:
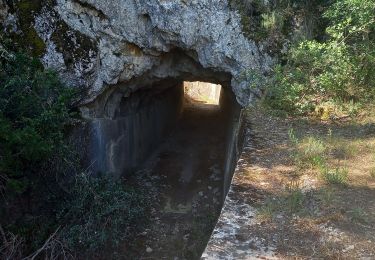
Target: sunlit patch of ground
column 300, row 211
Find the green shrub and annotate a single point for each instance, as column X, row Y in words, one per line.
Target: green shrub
column 34, row 110
column 41, row 191
column 273, row 20
column 339, row 69
column 100, row 213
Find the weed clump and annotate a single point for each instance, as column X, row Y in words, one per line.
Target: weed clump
column 335, row 176
column 290, row 202
column 101, row 213
column 358, row 215
column 310, row 151
column 313, row 152
column 267, row 211
column 372, row 173
column 295, row 197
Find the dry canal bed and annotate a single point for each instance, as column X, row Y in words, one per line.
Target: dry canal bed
column 183, row 180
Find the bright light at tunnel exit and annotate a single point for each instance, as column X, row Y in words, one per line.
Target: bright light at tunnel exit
column 202, row 92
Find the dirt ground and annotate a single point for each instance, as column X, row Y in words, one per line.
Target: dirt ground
column 302, row 214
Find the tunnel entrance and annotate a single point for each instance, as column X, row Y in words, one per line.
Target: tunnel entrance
column 178, row 142
column 187, row 175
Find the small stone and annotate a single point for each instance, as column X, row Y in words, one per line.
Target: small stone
column 349, row 248
column 148, row 249
column 200, row 193
column 209, row 187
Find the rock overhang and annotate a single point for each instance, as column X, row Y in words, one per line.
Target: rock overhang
column 122, row 43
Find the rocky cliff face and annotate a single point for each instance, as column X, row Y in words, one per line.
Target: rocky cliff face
column 123, row 45
column 130, row 58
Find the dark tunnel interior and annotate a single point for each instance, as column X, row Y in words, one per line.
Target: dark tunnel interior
column 179, row 141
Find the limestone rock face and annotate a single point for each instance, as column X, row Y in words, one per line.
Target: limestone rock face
column 129, row 44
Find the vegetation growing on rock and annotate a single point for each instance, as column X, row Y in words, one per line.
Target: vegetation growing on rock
column 34, row 110
column 338, row 69
column 49, row 205
column 27, row 38
column 273, row 23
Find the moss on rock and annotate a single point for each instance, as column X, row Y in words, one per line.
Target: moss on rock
column 72, row 44
column 27, row 38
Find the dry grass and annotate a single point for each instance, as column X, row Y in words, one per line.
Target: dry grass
column 13, row 247
column 320, row 185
